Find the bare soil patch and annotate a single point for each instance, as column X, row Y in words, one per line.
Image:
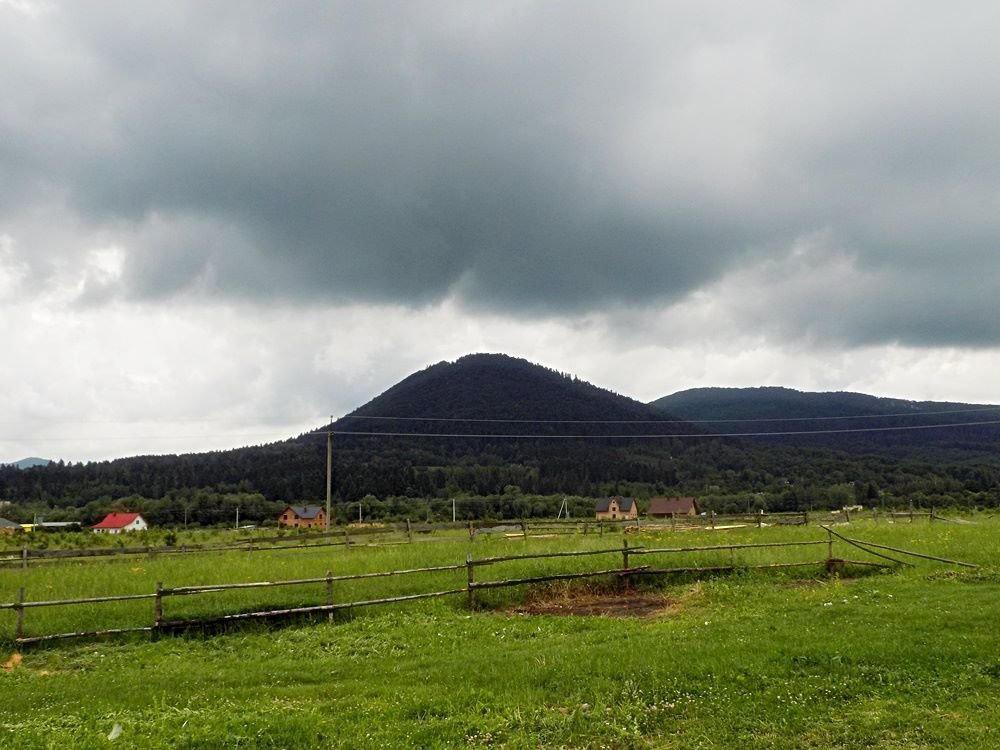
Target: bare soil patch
column 618, row 604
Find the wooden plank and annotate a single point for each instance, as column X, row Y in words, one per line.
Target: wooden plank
column 857, row 542
column 88, row 600
column 207, row 588
column 318, row 608
column 643, row 551
column 82, row 634
column 539, row 556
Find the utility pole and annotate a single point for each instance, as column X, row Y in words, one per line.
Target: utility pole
column 329, row 476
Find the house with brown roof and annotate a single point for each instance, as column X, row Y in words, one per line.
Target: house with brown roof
column 616, row 508
column 303, row 517
column 668, row 507
column 118, row 523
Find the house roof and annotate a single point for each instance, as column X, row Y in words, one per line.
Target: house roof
column 5, row 524
column 675, row 505
column 306, row 511
column 624, row 504
column 116, row 521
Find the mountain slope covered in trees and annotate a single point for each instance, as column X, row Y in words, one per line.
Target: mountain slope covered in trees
column 489, row 425
column 931, row 430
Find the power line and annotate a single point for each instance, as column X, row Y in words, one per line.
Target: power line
column 776, row 433
column 669, row 421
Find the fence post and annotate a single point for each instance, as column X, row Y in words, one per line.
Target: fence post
column 524, row 530
column 472, row 531
column 932, row 514
column 158, row 606
column 347, row 539
column 673, row 521
column 329, row 594
column 829, row 549
column 24, row 556
column 409, row 531
column 805, row 517
column 760, row 518
column 469, row 575
column 711, row 515
column 847, row 515
column 19, row 628
column 625, row 554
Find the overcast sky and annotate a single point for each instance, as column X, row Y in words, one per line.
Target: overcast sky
column 223, row 222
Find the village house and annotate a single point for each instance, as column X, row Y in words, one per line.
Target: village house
column 615, row 508
column 303, row 517
column 667, row 507
column 9, row 527
column 116, row 523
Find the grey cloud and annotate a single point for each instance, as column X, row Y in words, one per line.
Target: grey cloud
column 529, row 158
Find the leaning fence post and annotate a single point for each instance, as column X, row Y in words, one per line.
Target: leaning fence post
column 469, row 575
column 829, row 548
column 329, row 595
column 158, row 606
column 19, row 628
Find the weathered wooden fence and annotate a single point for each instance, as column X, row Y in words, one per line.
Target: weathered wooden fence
column 407, row 533
column 329, row 605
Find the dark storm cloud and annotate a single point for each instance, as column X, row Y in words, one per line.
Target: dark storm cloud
column 530, row 158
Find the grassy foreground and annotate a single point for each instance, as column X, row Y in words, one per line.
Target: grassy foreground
column 908, row 660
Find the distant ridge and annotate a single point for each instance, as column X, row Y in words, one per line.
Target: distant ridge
column 29, row 463
column 844, row 420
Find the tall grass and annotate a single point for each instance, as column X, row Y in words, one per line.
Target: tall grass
column 977, row 543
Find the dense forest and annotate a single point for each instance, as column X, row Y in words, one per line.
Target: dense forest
column 504, row 438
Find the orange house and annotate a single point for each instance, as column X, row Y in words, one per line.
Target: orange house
column 303, row 517
column 666, row 507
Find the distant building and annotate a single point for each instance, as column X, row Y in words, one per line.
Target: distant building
column 116, row 523
column 615, row 508
column 303, row 517
column 665, row 507
column 9, row 527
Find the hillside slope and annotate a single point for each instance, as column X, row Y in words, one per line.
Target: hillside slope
column 843, row 420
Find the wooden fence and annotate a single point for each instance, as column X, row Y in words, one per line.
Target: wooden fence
column 329, row 605
column 407, row 533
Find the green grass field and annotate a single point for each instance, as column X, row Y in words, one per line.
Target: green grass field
column 788, row 659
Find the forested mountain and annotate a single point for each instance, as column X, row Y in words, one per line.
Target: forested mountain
column 932, row 430
column 491, row 426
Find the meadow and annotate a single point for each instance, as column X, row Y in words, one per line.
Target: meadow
column 766, row 659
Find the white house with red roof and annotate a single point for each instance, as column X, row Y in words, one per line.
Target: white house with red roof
column 116, row 523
